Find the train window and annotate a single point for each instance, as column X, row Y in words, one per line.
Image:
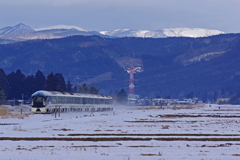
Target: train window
column 84, row 100
column 77, row 100
column 101, row 101
column 96, row 101
column 38, row 99
column 48, row 100
column 61, row 100
column 81, row 101
column 86, row 109
column 54, row 100
column 107, row 101
column 90, row 101
column 69, row 100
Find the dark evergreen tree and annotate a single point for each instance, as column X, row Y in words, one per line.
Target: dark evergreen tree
column 122, row 97
column 84, row 88
column 15, row 81
column 29, row 87
column 51, row 83
column 69, row 87
column 2, row 95
column 40, row 81
column 75, row 89
column 19, row 88
column 11, row 81
column 60, row 83
column 3, row 82
column 93, row 90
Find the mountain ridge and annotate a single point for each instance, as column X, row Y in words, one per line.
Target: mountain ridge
column 22, row 32
column 171, row 32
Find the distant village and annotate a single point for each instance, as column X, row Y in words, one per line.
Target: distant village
column 167, row 102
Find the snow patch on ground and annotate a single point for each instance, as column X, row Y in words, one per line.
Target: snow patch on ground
column 148, row 124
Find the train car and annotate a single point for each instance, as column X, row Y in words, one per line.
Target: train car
column 52, row 101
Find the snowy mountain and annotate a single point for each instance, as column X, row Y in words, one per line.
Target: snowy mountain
column 3, row 30
column 18, row 29
column 134, row 33
column 172, row 32
column 22, row 32
column 190, row 32
column 60, row 27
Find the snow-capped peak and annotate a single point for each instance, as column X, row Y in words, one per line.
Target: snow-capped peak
column 171, row 32
column 60, row 27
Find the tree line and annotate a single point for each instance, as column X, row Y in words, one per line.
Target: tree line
column 18, row 86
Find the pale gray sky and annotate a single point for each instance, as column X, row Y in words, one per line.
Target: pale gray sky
column 101, row 15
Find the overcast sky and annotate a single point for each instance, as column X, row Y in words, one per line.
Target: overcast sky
column 99, row 15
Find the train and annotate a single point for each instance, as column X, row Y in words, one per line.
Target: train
column 54, row 101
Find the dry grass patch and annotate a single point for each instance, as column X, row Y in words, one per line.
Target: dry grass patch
column 63, row 129
column 151, row 121
column 194, row 116
column 97, row 130
column 3, row 111
column 140, row 146
column 165, row 126
column 150, row 154
column 219, row 145
column 236, row 154
column 18, row 128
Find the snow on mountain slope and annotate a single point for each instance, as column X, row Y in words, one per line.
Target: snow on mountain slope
column 4, row 29
column 203, row 57
column 18, row 29
column 172, row 32
column 133, row 33
column 60, row 27
column 190, row 32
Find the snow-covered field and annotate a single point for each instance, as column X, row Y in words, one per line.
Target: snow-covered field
column 201, row 132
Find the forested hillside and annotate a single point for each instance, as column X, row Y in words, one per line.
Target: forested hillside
column 17, row 85
column 208, row 67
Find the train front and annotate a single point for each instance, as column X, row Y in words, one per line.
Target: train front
column 39, row 102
